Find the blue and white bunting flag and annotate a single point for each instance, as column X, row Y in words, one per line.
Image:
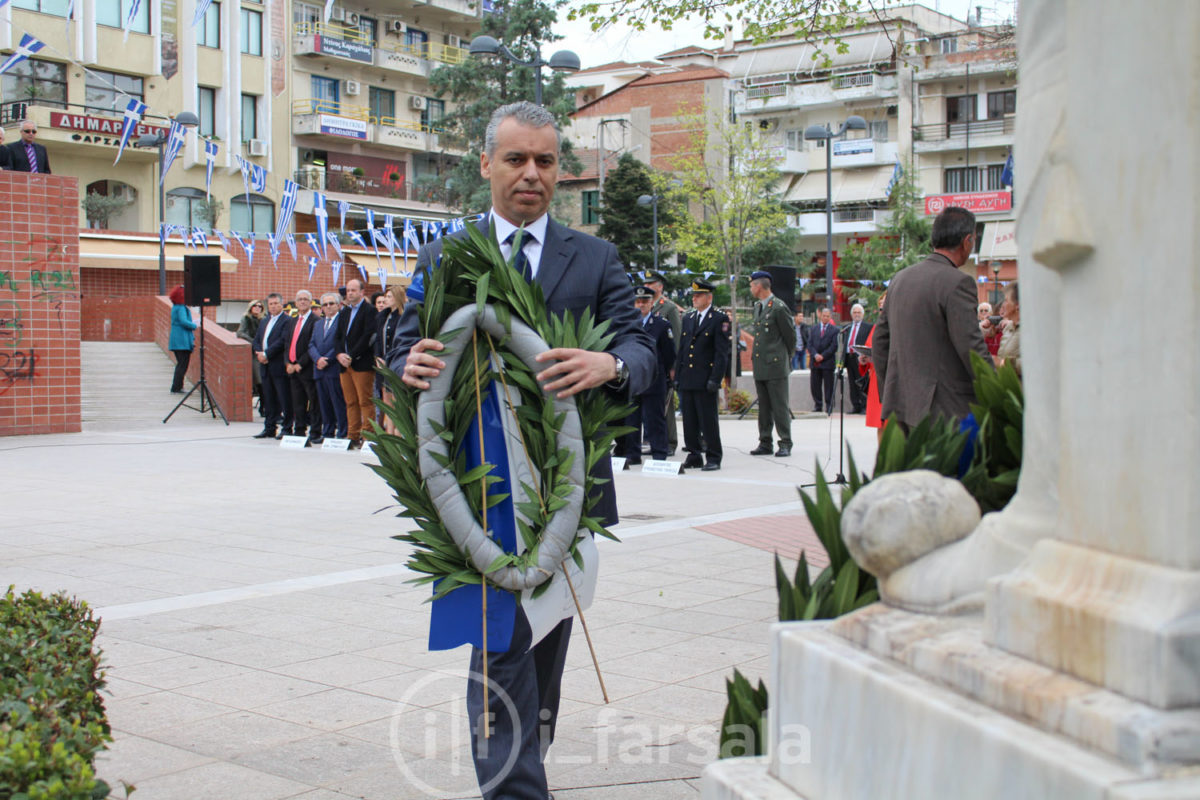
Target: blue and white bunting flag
column 184, row 237
column 312, row 266
column 1006, row 176
column 244, row 166
column 210, row 160
column 337, row 243
column 371, row 233
column 28, row 46
column 322, row 217
column 291, row 243
column 337, row 270
column 457, row 225
column 897, row 171
column 356, row 237
column 223, row 239
column 343, row 207
column 273, row 243
column 164, row 232
column 363, row 271
column 133, row 115
column 199, row 236
column 328, row 9
column 201, row 10
column 174, row 145
column 287, row 206
column 134, row 6
column 389, row 226
column 382, row 273
column 311, row 238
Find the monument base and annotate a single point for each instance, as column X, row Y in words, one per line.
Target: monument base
column 887, row 703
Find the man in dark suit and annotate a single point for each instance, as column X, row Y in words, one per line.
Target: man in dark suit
column 577, row 273
column 27, row 155
column 650, row 411
column 322, row 350
column 666, row 308
column 356, row 354
column 270, row 349
column 928, row 327
column 306, row 408
column 699, row 368
column 856, row 332
column 5, row 155
column 822, row 357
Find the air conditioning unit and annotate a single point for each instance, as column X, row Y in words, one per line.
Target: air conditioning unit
column 453, row 41
column 416, row 103
column 353, row 88
column 352, row 20
column 398, row 26
column 257, row 147
column 338, row 14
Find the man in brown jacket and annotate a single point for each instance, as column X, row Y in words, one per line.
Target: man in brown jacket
column 927, row 329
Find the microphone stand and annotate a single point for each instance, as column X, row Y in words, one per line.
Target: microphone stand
column 839, row 374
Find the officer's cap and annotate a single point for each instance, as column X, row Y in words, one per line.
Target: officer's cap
column 701, row 286
column 643, row 293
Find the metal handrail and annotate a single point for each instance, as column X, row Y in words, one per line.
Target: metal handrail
column 429, row 51
column 314, row 105
column 342, row 32
column 941, row 131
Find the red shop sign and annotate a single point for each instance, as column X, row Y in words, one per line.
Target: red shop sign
column 975, row 202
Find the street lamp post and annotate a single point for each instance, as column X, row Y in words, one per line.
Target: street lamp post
column 822, row 132
column 995, row 265
column 188, row 120
column 562, row 61
column 652, row 200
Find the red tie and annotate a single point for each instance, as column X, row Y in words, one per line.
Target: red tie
column 295, row 336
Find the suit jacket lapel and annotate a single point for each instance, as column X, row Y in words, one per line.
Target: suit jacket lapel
column 557, row 252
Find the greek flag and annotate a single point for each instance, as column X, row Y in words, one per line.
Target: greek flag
column 198, row 236
column 25, row 49
column 291, row 243
column 287, row 205
column 343, row 207
column 896, row 174
column 1006, row 177
column 247, row 247
column 322, row 221
column 133, row 115
column 201, row 10
column 389, row 240
column 337, row 245
column 337, row 270
column 371, row 233
column 328, row 9
column 253, row 177
column 312, row 266
column 210, row 159
column 134, row 6
column 273, row 243
column 363, row 271
column 174, row 145
column 311, row 238
column 457, row 225
column 356, row 237
column 164, row 231
column 224, row 240
column 382, row 273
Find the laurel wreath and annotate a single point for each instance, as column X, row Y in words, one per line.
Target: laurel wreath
column 492, row 322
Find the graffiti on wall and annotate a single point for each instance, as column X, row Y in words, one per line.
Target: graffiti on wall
column 49, row 282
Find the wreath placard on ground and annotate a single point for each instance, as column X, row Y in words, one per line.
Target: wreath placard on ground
column 493, row 323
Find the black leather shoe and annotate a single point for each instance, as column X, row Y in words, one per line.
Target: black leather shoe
column 265, row 433
column 316, row 440
column 711, row 466
column 761, row 450
column 783, row 452
column 631, row 462
column 692, row 463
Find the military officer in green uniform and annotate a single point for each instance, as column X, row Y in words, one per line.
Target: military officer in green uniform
column 673, row 314
column 774, row 343
column 699, row 369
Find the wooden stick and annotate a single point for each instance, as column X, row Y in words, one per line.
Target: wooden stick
column 586, row 635
column 487, row 727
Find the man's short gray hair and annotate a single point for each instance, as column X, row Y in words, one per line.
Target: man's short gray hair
column 304, row 293
column 331, row 296
column 524, row 112
column 859, row 307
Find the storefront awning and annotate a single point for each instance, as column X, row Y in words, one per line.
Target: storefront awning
column 366, row 258
column 849, row 186
column 126, row 252
column 999, row 241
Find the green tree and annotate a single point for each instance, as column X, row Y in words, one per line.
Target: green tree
column 776, row 249
column 629, row 226
column 901, row 241
column 477, row 86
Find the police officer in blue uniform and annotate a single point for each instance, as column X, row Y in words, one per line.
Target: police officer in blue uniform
column 651, row 409
column 699, row 368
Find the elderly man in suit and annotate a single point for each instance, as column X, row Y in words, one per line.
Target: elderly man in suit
column 774, row 343
column 856, row 333
column 327, row 372
column 577, row 273
column 27, row 155
column 822, row 357
column 928, row 328
column 356, row 355
column 306, row 408
column 270, row 350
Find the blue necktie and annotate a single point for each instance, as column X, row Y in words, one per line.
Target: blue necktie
column 521, row 261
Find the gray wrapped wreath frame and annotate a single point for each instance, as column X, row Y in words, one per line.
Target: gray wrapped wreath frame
column 442, row 484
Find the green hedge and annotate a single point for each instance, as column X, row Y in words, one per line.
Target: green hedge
column 52, row 721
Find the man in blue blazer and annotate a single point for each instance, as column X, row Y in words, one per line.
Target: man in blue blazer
column 327, row 372
column 270, row 350
column 577, row 273
column 822, row 357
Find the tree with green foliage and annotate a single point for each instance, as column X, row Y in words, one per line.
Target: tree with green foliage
column 901, row 241
column 629, row 226
column 478, row 86
column 776, row 249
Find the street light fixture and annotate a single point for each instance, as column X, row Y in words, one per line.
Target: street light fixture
column 562, row 61
column 652, row 200
column 995, row 265
column 822, row 132
column 188, row 120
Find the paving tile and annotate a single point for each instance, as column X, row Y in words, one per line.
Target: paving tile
column 147, row 713
column 252, row 689
column 133, row 759
column 218, row 781
column 330, row 710
column 322, row 760
column 232, row 735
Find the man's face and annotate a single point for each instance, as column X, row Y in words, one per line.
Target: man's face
column 382, row 302
column 799, row 318
column 522, row 171
column 826, row 316
column 985, row 311
column 856, row 314
column 643, row 305
column 28, row 133
column 701, row 300
column 757, row 290
column 274, row 306
column 303, row 303
column 330, row 306
column 657, row 288
column 353, row 292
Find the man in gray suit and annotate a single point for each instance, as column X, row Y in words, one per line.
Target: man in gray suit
column 927, row 329
column 577, row 273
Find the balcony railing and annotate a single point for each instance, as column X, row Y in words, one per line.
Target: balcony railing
column 333, row 30
column 321, row 180
column 942, row 131
column 853, row 215
column 432, row 52
column 316, row 105
column 853, row 80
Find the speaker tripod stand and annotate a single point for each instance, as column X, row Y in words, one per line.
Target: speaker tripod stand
column 200, row 386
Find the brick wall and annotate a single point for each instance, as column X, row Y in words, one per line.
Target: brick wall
column 39, row 304
column 226, row 362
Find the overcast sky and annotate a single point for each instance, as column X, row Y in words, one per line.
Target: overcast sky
column 621, row 44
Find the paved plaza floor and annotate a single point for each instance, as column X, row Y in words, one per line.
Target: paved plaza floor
column 262, row 640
